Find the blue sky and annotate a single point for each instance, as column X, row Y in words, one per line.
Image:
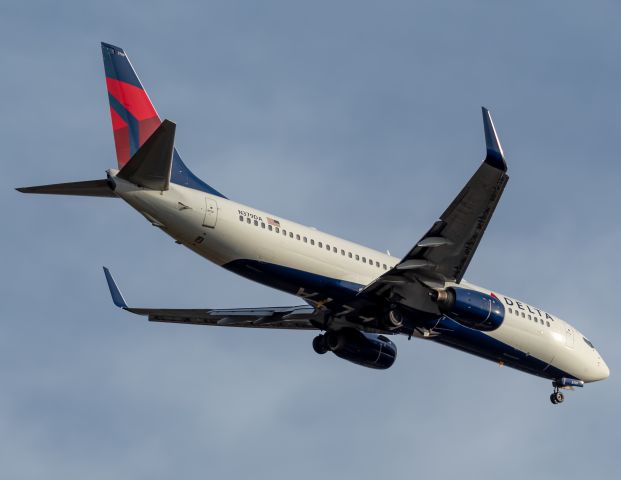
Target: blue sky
column 359, row 118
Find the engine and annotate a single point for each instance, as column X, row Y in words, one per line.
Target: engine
column 470, row 308
column 368, row 350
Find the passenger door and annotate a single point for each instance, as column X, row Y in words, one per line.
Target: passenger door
column 211, row 213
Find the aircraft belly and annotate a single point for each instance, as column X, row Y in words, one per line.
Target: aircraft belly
column 499, row 346
column 297, row 282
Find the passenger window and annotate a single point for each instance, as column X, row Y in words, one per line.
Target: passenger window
column 305, row 240
column 342, row 252
column 349, row 255
column 320, row 244
column 327, row 247
column 510, row 311
column 284, row 232
column 290, row 234
column 529, row 317
column 377, row 264
column 277, row 229
column 297, row 237
column 248, row 220
column 523, row 316
column 547, row 323
column 541, row 320
column 269, row 227
column 357, row 257
column 385, row 267
column 335, row 250
column 256, row 223
column 312, row 242
column 241, row 218
column 262, row 225
column 364, row 259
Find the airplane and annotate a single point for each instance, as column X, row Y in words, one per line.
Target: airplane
column 354, row 296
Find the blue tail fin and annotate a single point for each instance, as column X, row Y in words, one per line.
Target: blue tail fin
column 134, row 117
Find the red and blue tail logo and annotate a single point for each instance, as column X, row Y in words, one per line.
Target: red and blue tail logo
column 134, row 118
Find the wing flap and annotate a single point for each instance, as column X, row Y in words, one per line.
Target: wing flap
column 249, row 318
column 462, row 225
column 300, row 317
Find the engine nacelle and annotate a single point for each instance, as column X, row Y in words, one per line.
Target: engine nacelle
column 366, row 349
column 470, row 308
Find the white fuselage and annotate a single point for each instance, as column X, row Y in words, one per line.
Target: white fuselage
column 226, row 232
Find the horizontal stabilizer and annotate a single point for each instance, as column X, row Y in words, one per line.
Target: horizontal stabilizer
column 89, row 188
column 150, row 166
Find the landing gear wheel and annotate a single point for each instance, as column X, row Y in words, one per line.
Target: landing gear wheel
column 319, row 344
column 394, row 319
column 557, row 396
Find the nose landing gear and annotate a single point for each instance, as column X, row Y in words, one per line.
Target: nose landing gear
column 566, row 383
column 557, row 397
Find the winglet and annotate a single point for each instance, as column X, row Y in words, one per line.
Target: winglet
column 495, row 156
column 117, row 296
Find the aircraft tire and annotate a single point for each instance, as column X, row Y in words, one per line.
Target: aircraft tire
column 319, row 344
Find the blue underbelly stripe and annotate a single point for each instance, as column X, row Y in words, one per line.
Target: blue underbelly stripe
column 291, row 280
column 482, row 345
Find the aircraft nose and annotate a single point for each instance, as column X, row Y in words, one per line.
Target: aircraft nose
column 601, row 370
column 604, row 371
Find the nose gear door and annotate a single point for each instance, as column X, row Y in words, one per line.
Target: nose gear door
column 211, row 213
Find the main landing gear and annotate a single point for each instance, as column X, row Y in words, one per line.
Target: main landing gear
column 320, row 344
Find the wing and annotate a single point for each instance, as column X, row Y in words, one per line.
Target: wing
column 445, row 251
column 301, row 317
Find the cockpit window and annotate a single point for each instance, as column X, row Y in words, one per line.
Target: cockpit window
column 587, row 342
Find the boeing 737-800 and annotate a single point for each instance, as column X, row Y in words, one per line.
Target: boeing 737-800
column 356, row 297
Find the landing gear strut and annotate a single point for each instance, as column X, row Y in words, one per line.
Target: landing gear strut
column 557, row 397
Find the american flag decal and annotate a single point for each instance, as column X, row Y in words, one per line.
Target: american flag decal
column 272, row 222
